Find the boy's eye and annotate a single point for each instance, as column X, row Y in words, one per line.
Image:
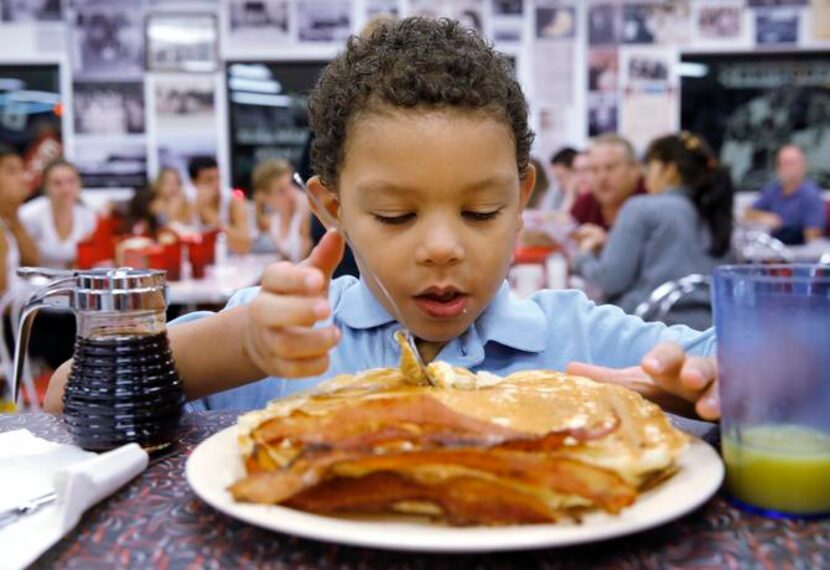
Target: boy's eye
column 395, row 220
column 481, row 216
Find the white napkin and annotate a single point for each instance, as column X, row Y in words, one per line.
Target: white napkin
column 32, row 467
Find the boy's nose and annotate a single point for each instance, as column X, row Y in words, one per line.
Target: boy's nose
column 441, row 246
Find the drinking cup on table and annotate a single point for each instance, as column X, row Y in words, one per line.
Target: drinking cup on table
column 200, row 253
column 773, row 330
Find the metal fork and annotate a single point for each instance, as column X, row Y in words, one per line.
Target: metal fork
column 10, row 515
column 330, row 221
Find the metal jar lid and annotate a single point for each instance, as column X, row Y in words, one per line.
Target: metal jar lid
column 119, row 289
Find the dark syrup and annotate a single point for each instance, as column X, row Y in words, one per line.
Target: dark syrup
column 122, row 390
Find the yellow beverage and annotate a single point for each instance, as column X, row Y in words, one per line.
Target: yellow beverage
column 784, row 468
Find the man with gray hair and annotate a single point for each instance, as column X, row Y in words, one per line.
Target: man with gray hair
column 791, row 206
column 615, row 177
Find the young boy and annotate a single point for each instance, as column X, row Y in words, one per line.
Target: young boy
column 421, row 153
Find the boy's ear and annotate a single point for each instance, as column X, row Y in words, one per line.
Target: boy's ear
column 526, row 185
column 326, row 198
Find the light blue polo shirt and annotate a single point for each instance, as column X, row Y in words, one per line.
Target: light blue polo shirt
column 546, row 331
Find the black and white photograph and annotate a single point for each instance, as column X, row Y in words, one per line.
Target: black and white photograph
column 175, row 150
column 427, row 8
column 186, row 4
column 647, row 69
column 775, row 3
column 720, row 22
column 602, row 113
column 507, row 20
column 252, row 22
column 110, row 162
column 638, row 23
column 508, row 7
column 470, row 13
column 182, row 42
column 323, row 21
column 383, row 8
column 603, row 69
column 184, row 103
column 767, row 99
column 108, row 39
column 108, row 108
column 31, row 11
column 776, row 26
column 604, row 24
column 672, row 22
column 555, row 23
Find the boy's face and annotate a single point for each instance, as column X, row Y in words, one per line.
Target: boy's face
column 432, row 201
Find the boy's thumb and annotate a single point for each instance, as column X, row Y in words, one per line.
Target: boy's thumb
column 327, row 254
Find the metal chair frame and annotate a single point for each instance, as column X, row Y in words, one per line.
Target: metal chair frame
column 13, row 300
column 668, row 294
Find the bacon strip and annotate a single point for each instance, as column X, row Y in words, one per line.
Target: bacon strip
column 462, row 501
column 559, row 474
column 272, row 487
column 533, row 470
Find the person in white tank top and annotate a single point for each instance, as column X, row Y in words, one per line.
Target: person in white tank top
column 16, row 246
column 214, row 209
column 279, row 216
column 58, row 220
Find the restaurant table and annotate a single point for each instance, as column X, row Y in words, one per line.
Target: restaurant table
column 156, row 521
column 810, row 252
column 220, row 282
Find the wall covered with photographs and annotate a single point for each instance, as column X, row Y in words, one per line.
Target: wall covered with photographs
column 150, row 83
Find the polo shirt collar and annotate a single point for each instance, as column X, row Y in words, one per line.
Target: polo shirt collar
column 517, row 323
column 360, row 310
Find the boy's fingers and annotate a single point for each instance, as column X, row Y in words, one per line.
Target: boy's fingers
column 277, row 311
column 286, row 278
column 664, row 360
column 605, row 374
column 301, row 342
column 327, row 254
column 300, row 368
column 708, row 406
column 633, row 378
column 698, row 373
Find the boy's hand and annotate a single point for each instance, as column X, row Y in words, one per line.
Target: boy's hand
column 280, row 338
column 667, row 376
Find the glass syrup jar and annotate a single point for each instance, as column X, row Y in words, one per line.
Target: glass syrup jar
column 123, row 386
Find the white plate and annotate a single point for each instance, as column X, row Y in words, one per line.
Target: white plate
column 216, row 463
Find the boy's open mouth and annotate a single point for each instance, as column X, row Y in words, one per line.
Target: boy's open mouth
column 442, row 302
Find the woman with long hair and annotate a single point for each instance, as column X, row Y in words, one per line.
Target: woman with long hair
column 169, row 203
column 279, row 218
column 682, row 226
column 58, row 220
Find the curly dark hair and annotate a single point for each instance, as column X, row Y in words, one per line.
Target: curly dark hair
column 413, row 63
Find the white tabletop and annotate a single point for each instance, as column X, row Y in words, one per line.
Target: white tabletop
column 220, row 282
column 811, row 251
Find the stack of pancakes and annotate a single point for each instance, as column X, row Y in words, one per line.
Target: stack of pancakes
column 463, row 448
